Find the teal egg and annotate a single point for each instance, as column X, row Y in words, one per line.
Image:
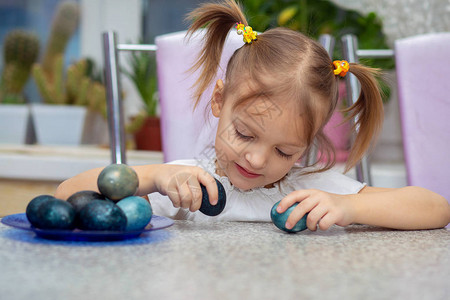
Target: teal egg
column 117, row 181
column 33, row 207
column 103, row 216
column 280, row 219
column 138, row 211
column 81, row 198
column 55, row 214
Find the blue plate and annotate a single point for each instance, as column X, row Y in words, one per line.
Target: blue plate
column 20, row 221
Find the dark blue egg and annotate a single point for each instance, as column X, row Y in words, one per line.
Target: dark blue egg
column 213, row 210
column 81, row 198
column 33, row 207
column 117, row 181
column 102, row 215
column 280, row 219
column 138, row 212
column 55, row 214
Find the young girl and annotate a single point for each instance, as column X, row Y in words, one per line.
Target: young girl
column 279, row 91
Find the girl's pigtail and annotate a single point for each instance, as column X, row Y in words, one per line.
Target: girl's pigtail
column 369, row 111
column 218, row 18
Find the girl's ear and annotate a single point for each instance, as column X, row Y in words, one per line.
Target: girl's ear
column 217, row 98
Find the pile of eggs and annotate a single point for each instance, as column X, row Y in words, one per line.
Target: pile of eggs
column 115, row 208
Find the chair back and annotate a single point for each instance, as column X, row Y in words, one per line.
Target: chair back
column 186, row 133
column 423, row 76
column 352, row 54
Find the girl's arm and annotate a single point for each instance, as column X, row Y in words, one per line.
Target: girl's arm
column 180, row 183
column 403, row 208
column 83, row 181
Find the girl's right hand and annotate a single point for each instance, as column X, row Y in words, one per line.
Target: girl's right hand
column 182, row 185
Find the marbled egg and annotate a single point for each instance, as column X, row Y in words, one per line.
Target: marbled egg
column 33, row 207
column 81, row 198
column 138, row 211
column 117, row 181
column 102, row 215
column 280, row 219
column 55, row 214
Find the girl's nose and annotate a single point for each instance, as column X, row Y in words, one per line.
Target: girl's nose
column 257, row 157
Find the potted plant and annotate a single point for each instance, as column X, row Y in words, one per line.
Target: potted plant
column 67, row 95
column 21, row 49
column 67, row 98
column 146, row 125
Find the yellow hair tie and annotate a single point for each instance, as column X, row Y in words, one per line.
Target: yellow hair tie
column 247, row 32
column 341, row 67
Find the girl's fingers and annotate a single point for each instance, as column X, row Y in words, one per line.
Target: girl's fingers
column 211, row 186
column 196, row 193
column 179, row 189
column 294, row 197
column 314, row 217
column 184, row 188
column 185, row 195
column 324, row 209
column 176, row 181
column 326, row 222
column 172, row 192
column 302, row 208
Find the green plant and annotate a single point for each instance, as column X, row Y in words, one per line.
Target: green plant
column 64, row 24
column 21, row 50
column 316, row 17
column 143, row 75
column 76, row 88
column 49, row 74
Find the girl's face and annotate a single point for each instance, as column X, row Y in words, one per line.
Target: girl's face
column 258, row 142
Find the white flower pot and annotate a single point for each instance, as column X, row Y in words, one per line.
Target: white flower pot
column 14, row 123
column 58, row 124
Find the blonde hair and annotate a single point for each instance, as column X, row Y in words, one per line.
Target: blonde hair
column 300, row 68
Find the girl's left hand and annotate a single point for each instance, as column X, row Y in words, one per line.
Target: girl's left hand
column 325, row 209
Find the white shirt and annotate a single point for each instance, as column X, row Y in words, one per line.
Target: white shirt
column 255, row 204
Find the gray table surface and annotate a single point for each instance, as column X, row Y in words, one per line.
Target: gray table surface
column 230, row 260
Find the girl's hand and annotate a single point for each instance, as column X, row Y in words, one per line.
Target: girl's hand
column 325, row 209
column 182, row 185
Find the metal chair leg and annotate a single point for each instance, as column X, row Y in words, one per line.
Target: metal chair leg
column 114, row 101
column 349, row 48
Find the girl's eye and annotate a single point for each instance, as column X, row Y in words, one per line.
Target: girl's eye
column 282, row 154
column 241, row 136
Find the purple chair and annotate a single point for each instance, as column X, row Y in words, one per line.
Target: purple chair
column 423, row 72
column 186, row 133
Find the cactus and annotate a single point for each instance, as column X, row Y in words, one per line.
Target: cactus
column 21, row 50
column 98, row 98
column 51, row 90
column 77, row 84
column 64, row 24
column 76, row 88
